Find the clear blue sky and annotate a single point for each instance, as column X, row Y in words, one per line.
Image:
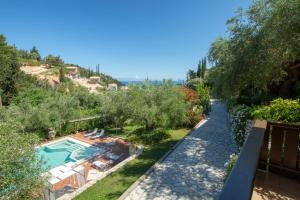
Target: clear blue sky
column 128, row 38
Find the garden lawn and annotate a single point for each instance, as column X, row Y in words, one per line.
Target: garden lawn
column 113, row 186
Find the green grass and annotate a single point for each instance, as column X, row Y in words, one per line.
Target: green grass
column 113, row 186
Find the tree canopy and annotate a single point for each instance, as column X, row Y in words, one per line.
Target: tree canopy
column 20, row 169
column 9, row 71
column 261, row 53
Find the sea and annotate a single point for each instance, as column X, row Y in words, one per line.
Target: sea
column 154, row 82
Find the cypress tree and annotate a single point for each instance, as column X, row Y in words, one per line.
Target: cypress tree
column 199, row 69
column 203, row 67
column 61, row 74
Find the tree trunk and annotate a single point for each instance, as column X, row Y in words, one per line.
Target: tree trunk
column 0, row 102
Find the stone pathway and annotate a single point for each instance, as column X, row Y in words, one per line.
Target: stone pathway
column 195, row 169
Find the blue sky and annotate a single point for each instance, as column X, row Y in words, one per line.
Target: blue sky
column 128, row 38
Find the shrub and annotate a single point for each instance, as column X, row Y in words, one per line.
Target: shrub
column 195, row 116
column 283, row 110
column 229, row 165
column 203, row 92
column 239, row 121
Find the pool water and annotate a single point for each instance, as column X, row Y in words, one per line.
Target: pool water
column 65, row 151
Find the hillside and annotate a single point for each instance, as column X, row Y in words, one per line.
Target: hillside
column 48, row 68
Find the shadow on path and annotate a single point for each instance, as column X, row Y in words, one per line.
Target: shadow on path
column 195, row 169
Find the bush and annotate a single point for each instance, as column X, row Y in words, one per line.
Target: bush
column 203, row 92
column 195, row 116
column 30, row 62
column 283, row 110
column 239, row 121
column 230, row 164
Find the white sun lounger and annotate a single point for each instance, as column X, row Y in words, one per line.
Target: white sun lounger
column 91, row 133
column 53, row 180
column 101, row 165
column 70, row 164
column 113, row 156
column 66, row 174
column 98, row 135
column 57, row 171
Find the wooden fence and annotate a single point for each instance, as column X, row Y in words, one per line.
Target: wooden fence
column 270, row 146
column 281, row 151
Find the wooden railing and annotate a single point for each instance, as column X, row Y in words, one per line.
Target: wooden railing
column 281, row 151
column 271, row 147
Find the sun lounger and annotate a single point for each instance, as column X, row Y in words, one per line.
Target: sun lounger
column 100, row 165
column 57, row 171
column 98, row 135
column 53, row 180
column 91, row 133
column 65, row 175
column 113, row 156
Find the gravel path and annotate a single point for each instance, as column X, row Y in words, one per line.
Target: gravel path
column 195, row 169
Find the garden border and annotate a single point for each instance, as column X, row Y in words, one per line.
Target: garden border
column 153, row 167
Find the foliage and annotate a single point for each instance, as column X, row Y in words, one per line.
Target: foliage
column 87, row 100
column 54, row 111
column 203, row 92
column 196, row 110
column 259, row 53
column 201, row 68
column 34, row 54
column 191, row 74
column 53, row 60
column 61, row 74
column 33, row 95
column 117, row 107
column 192, row 83
column 195, row 116
column 230, row 164
column 200, row 73
column 30, row 62
column 9, row 71
column 239, row 118
column 190, row 95
column 19, row 167
column 283, row 110
column 159, row 106
column 32, row 57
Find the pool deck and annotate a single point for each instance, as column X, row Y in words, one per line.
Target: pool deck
column 113, row 145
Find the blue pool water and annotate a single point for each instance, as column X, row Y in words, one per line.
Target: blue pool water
column 65, row 151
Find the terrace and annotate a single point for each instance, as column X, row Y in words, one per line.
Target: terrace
column 268, row 166
column 69, row 177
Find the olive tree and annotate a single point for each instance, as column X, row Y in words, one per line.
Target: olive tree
column 159, row 106
column 20, row 168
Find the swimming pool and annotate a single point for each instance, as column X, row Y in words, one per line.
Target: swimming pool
column 66, row 150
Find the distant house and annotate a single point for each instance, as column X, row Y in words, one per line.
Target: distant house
column 94, row 79
column 73, row 72
column 112, row 87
